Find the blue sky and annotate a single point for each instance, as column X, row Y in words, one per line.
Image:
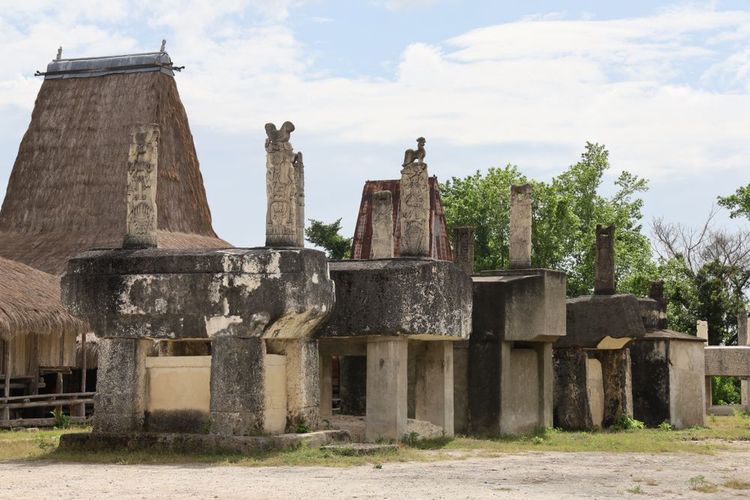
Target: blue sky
column 665, row 85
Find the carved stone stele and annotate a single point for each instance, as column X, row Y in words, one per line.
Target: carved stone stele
column 142, row 175
column 464, row 248
column 604, row 278
column 284, row 189
column 382, row 225
column 414, row 206
column 520, row 226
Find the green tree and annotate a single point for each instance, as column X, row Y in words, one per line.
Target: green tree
column 328, row 237
column 566, row 211
column 738, row 203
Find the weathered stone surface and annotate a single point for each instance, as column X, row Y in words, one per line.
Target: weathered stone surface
column 283, row 183
column 702, row 329
column 520, row 226
column 618, row 387
column 604, row 279
column 519, row 305
column 464, row 248
column 412, row 297
column 142, row 174
column 382, row 225
column 194, row 294
column 386, row 388
column 686, row 383
column 461, row 387
column 415, row 204
column 434, row 385
column 728, row 361
column 592, row 318
column 650, row 369
column 204, row 443
column 120, row 398
column 303, row 389
column 572, row 409
column 238, row 386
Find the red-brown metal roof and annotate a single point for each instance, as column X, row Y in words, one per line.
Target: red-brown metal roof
column 440, row 247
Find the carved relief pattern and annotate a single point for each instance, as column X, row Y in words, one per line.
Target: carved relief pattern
column 382, row 225
column 415, row 204
column 141, row 224
column 284, row 182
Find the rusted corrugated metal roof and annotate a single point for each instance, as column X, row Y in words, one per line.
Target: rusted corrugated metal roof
column 440, row 247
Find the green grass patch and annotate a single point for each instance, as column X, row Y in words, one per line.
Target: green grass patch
column 43, row 444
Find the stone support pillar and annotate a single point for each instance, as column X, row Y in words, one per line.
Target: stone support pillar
column 415, row 204
column 618, row 386
column 604, row 283
column 702, row 329
column 461, row 386
column 283, row 183
column 463, row 253
column 382, row 225
column 743, row 339
column 386, row 388
column 120, row 399
column 434, row 385
column 546, row 378
column 326, row 385
column 141, row 222
column 237, row 386
column 303, row 388
column 520, row 226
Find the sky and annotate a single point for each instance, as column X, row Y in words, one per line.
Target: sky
column 664, row 85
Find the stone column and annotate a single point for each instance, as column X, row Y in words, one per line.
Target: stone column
column 299, row 173
column 702, row 333
column 386, row 388
column 520, row 226
column 464, row 248
column 461, row 386
column 546, row 379
column 237, row 386
column 282, row 188
column 657, row 293
column 702, row 330
column 434, row 385
column 141, row 222
column 381, row 246
column 572, row 408
column 120, row 399
column 743, row 339
column 604, row 283
column 414, row 204
column 303, row 388
column 618, row 387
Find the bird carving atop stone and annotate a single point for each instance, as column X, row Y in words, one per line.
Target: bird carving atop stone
column 411, row 155
column 278, row 136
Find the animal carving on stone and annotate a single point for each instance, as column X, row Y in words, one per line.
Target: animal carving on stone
column 277, row 137
column 415, row 155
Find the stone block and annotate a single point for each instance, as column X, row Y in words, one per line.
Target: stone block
column 386, row 388
column 405, row 296
column 593, row 318
column 727, row 361
column 572, row 409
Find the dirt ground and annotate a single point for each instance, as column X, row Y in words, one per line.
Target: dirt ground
column 527, row 475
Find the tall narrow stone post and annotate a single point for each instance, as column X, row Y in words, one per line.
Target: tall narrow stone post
column 326, row 384
column 743, row 339
column 284, row 220
column 143, row 157
column 520, row 226
column 702, row 330
column 382, row 225
column 657, row 293
column 386, row 388
column 415, row 204
column 434, row 385
column 604, row 283
column 299, row 173
column 464, row 248
column 303, row 384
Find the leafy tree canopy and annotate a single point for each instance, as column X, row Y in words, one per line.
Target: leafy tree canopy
column 738, row 203
column 328, row 237
column 566, row 211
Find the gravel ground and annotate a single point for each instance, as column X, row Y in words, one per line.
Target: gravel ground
column 527, row 475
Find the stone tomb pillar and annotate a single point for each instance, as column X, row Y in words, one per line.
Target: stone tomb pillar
column 618, row 386
column 434, row 385
column 141, row 217
column 545, row 377
column 382, row 225
column 702, row 333
column 387, row 360
column 303, row 389
column 121, row 389
column 743, row 339
column 284, row 169
column 604, row 280
column 520, row 226
column 326, row 384
column 238, row 386
column 415, row 204
column 464, row 248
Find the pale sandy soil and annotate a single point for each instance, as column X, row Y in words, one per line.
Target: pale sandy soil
column 529, row 475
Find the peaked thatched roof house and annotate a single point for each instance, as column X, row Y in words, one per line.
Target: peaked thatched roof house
column 67, row 190
column 440, row 247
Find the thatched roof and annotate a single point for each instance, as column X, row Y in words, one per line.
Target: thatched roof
column 67, row 190
column 30, row 303
column 440, row 247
